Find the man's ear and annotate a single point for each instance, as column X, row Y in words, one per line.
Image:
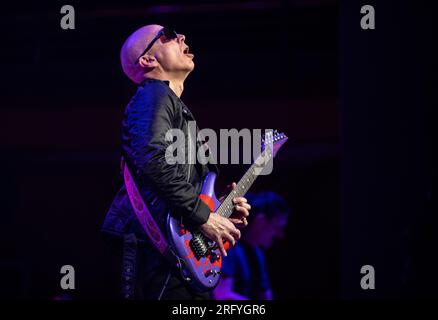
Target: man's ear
column 148, row 61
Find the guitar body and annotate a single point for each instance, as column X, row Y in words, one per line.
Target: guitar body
column 201, row 268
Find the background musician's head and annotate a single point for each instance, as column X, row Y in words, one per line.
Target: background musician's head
column 268, row 219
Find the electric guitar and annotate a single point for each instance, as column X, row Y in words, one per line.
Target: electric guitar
column 199, row 258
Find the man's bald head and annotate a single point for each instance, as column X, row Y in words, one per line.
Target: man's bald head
column 133, row 48
column 167, row 59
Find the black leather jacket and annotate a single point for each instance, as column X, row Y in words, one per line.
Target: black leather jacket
column 152, row 111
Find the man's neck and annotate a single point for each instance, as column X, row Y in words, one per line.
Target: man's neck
column 177, row 87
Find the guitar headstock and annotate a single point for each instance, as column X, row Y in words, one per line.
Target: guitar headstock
column 273, row 141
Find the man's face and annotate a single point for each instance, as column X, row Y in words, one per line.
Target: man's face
column 271, row 229
column 173, row 55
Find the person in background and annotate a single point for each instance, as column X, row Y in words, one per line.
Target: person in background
column 244, row 272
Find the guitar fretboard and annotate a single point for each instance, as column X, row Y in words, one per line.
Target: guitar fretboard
column 227, row 206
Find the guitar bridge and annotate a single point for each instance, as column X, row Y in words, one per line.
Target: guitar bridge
column 199, row 245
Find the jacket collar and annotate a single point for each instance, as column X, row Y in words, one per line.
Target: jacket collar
column 149, row 80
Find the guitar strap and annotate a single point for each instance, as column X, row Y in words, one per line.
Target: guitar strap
column 150, row 226
column 145, row 218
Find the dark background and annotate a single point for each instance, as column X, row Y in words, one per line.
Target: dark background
column 303, row 67
column 389, row 160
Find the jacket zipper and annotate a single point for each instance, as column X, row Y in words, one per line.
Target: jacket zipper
column 189, row 159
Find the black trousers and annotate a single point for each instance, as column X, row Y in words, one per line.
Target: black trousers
column 140, row 281
column 151, row 286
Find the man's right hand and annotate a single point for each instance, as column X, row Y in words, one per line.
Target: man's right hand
column 220, row 229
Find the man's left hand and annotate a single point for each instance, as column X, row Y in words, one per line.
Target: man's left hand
column 241, row 210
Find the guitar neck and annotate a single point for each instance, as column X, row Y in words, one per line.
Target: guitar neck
column 227, row 206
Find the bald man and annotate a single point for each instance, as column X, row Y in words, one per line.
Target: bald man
column 158, row 60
